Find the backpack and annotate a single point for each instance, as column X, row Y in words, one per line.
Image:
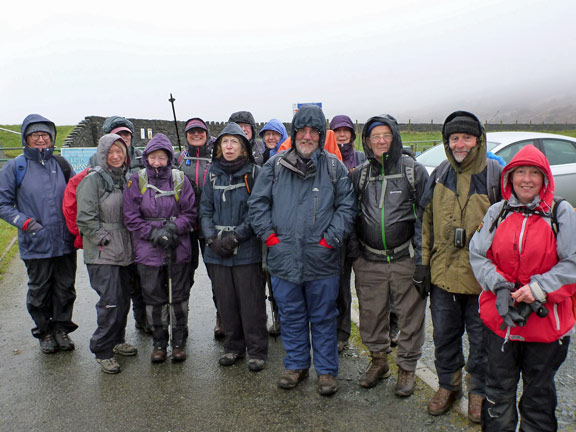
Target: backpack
column 177, row 180
column 21, row 165
column 69, row 204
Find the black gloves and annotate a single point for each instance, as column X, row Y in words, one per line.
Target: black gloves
column 105, row 240
column 165, row 236
column 32, row 226
column 505, row 304
column 421, row 280
column 224, row 246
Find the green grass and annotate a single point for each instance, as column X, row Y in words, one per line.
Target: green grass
column 8, row 139
column 7, row 233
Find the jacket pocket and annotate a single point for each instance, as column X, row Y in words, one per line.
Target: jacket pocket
column 37, row 243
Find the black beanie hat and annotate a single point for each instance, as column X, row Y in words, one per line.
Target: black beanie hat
column 462, row 124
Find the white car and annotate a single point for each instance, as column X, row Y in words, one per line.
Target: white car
column 559, row 149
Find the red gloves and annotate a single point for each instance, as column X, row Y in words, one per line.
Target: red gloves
column 272, row 240
column 323, row 243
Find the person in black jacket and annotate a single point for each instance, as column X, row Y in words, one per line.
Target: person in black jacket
column 233, row 253
column 389, row 189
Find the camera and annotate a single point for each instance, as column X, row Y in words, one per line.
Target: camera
column 459, row 237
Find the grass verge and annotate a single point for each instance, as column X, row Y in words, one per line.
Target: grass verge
column 7, row 233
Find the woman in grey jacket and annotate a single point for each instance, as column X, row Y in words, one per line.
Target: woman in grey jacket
column 107, row 249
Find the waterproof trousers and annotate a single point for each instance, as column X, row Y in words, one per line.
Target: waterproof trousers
column 111, row 283
column 241, row 295
column 51, row 293
column 155, row 289
column 135, row 291
column 344, row 302
column 308, row 309
column 452, row 314
column 378, row 283
column 538, row 364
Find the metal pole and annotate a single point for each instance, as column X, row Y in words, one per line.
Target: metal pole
column 171, row 100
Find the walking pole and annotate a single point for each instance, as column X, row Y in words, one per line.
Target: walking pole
column 170, row 306
column 171, row 100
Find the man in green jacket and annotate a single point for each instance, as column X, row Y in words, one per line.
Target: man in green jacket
column 454, row 202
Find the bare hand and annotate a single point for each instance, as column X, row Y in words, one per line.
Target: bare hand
column 524, row 295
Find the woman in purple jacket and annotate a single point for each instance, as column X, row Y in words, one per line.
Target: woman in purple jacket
column 159, row 210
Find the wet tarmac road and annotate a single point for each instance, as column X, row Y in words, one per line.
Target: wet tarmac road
column 68, row 392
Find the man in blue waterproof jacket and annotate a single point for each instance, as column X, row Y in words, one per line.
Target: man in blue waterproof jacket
column 303, row 206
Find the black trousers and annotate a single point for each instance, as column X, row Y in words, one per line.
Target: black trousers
column 241, row 296
column 111, row 283
column 538, row 364
column 51, row 293
column 154, row 282
column 135, row 290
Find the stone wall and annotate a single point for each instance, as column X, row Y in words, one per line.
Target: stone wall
column 89, row 130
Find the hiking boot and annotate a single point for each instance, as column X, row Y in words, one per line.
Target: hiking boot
column 48, row 344
column 342, row 345
column 125, row 349
column 327, row 385
column 378, row 370
column 274, row 329
column 109, row 366
column 291, row 378
column 442, row 401
column 143, row 327
column 404, row 383
column 178, row 353
column 256, row 365
column 229, row 359
column 218, row 329
column 474, row 407
column 158, row 355
column 63, row 340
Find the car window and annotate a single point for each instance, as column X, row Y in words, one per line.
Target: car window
column 433, row 156
column 559, row 152
column 508, row 152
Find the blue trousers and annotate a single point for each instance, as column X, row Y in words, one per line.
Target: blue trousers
column 309, row 309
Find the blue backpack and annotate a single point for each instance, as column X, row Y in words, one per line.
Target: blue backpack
column 21, row 164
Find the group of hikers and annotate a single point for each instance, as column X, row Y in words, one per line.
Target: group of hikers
column 492, row 247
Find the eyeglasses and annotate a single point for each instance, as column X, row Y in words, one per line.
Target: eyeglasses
column 196, row 131
column 381, row 137
column 301, row 133
column 37, row 135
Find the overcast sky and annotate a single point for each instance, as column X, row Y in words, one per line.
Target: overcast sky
column 415, row 59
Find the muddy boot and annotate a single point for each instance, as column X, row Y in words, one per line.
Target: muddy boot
column 378, row 370
column 218, row 329
column 404, row 383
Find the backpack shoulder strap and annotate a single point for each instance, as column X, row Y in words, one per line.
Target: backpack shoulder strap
column 360, row 157
column 493, row 170
column 332, row 164
column 178, row 180
column 249, row 179
column 20, row 165
column 64, row 166
column 142, row 180
column 554, row 215
column 408, row 168
column 364, row 169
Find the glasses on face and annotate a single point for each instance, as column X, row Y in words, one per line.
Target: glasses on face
column 301, row 133
column 37, row 135
column 381, row 137
column 196, row 131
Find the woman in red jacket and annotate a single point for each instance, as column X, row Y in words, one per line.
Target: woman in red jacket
column 524, row 256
